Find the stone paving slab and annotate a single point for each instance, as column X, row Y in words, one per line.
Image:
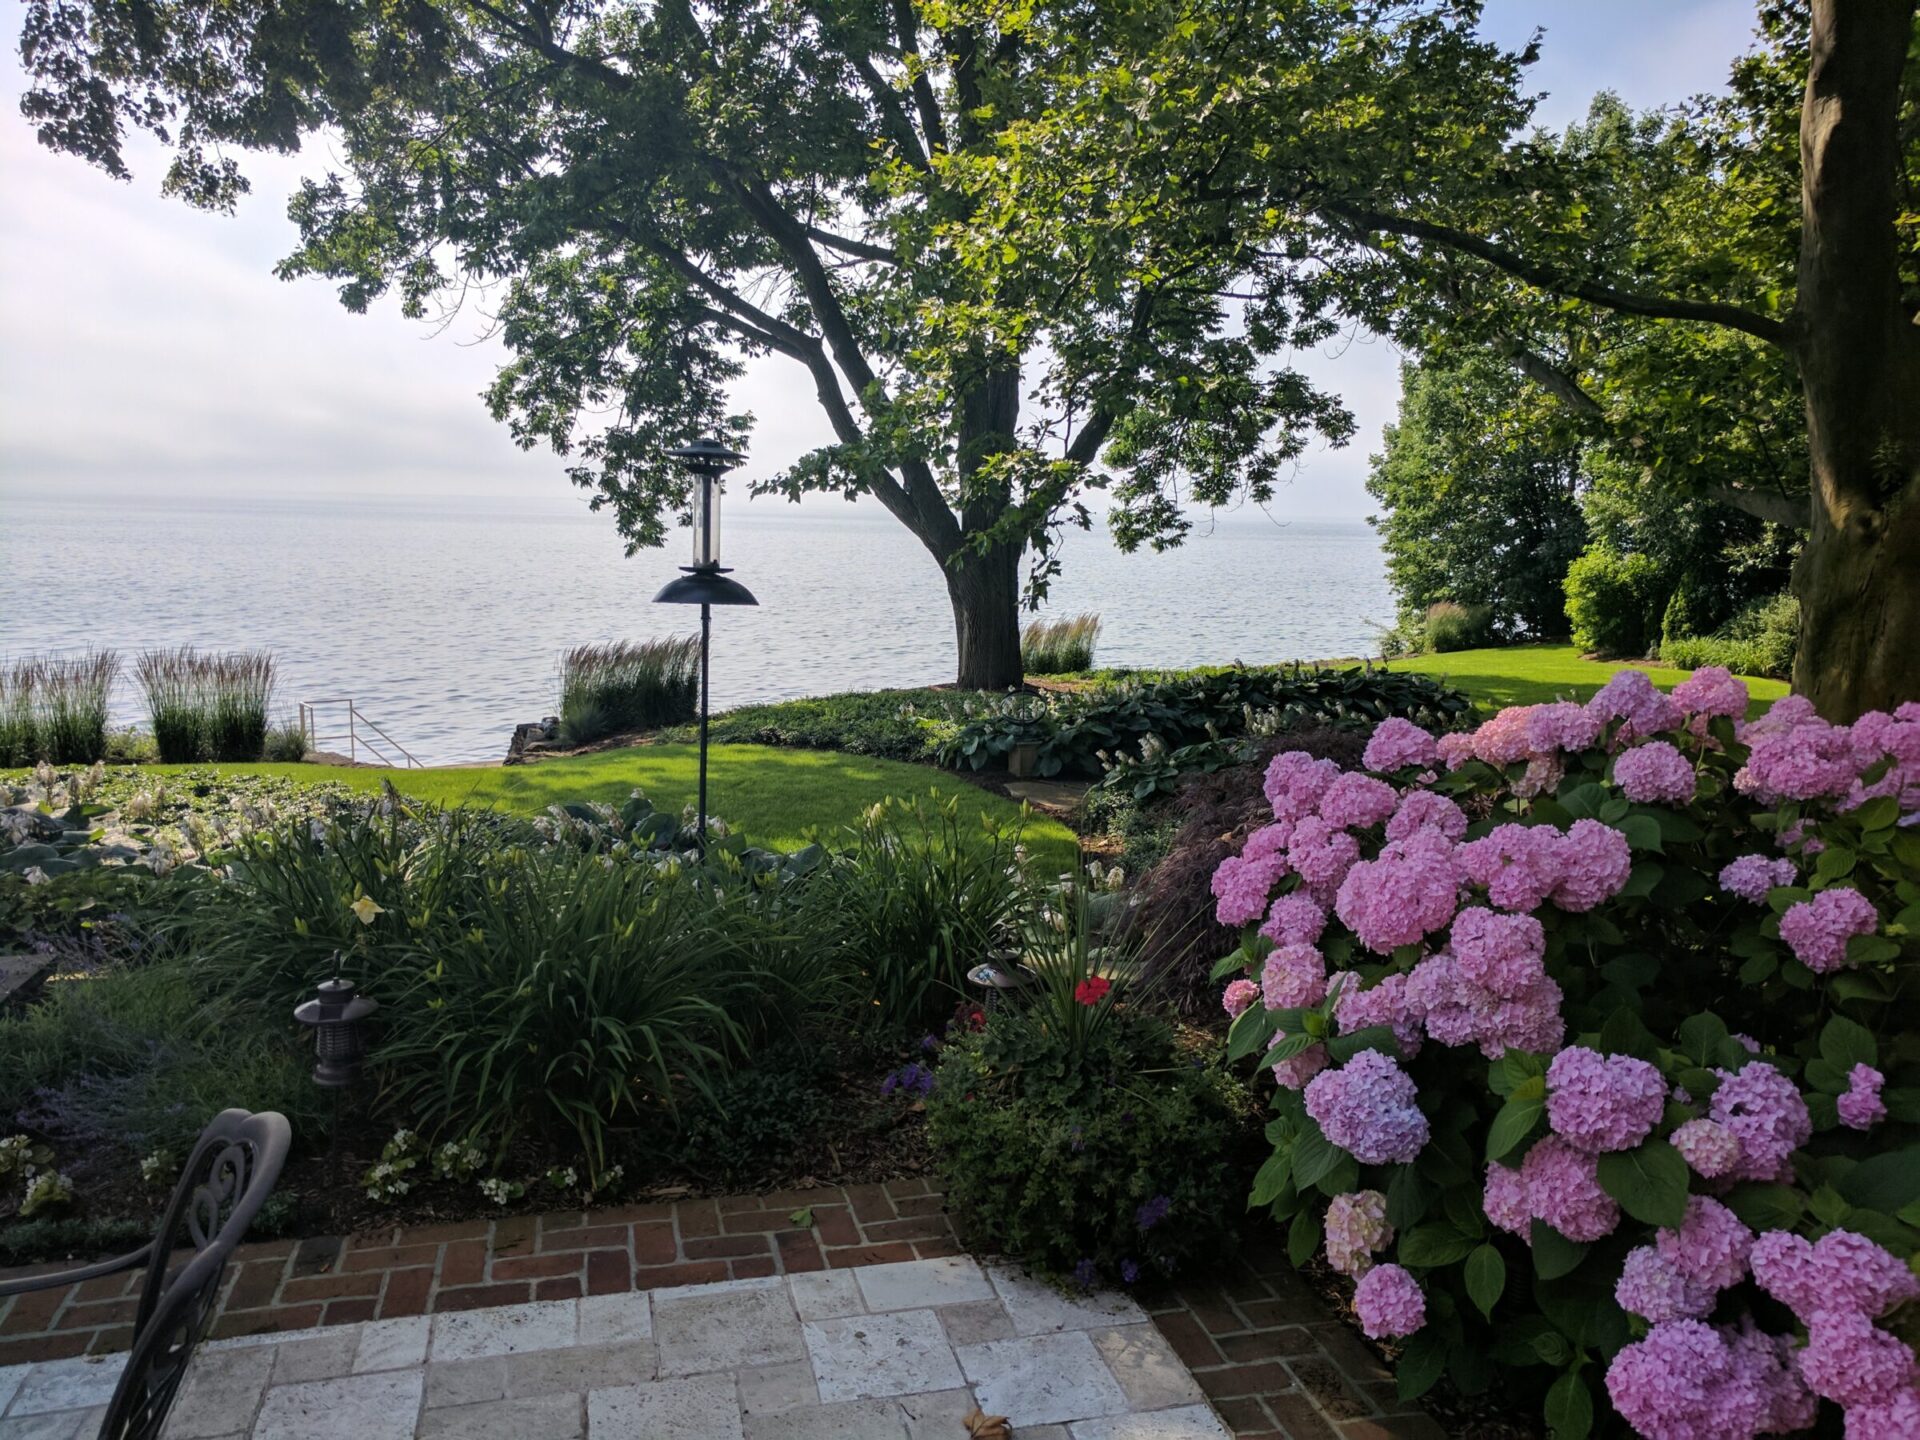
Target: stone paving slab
column 709, row 1362
column 1258, row 1344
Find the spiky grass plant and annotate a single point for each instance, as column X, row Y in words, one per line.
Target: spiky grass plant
column 207, row 707
column 627, row 686
column 17, row 743
column 1055, row 647
column 69, row 707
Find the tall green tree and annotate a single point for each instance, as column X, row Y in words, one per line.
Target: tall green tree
column 1478, row 483
column 1504, row 237
column 660, row 190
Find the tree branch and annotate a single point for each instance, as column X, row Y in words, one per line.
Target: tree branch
column 1764, row 504
column 863, row 249
column 1551, row 378
column 899, row 126
column 907, row 24
column 1546, row 277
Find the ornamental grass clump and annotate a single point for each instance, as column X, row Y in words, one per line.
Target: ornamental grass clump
column 1593, row 1060
column 207, row 707
column 625, row 686
column 67, row 704
column 1059, row 647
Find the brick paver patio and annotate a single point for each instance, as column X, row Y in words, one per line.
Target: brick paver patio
column 1258, row 1343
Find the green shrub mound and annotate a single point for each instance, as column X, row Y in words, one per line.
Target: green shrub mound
column 1614, row 602
column 1113, row 1163
column 1457, row 627
column 1059, row 647
column 605, row 689
column 1760, row 640
column 1085, row 733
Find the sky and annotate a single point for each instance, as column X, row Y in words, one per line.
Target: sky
column 146, row 347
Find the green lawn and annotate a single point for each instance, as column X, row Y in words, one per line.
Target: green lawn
column 775, row 797
column 1530, row 674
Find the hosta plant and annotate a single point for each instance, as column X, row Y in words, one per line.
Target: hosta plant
column 1594, row 1054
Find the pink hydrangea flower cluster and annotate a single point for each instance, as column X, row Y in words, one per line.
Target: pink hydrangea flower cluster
column 1654, row 1288
column 1796, row 755
column 1406, row 894
column 1356, row 802
column 1752, row 876
column 1389, row 1302
column 1504, row 955
column 1294, row 977
column 1861, row 1107
column 1385, row 1002
column 1763, row 1110
column 1837, row 1287
column 1295, row 781
column 1654, row 774
column 1817, row 930
column 1555, row 1183
column 1357, row 1230
column 1524, row 866
column 1599, row 1103
column 1711, row 1149
column 1295, row 920
column 1241, row 887
column 1398, row 744
column 1295, row 1071
column 1563, row 726
column 1712, row 1246
column 1238, row 996
column 1427, row 810
column 1711, row 690
column 1368, row 1108
column 1876, row 736
column 1630, row 697
column 1690, row 1381
column 1456, row 1011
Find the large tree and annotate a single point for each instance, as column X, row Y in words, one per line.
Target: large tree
column 1500, row 237
column 660, row 190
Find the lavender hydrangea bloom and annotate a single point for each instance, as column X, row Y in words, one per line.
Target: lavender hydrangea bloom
column 1752, row 876
column 1367, row 1108
column 1653, row 1287
column 1398, row 744
column 1817, row 930
column 1389, row 1302
column 1599, row 1103
column 1861, row 1108
column 1654, row 773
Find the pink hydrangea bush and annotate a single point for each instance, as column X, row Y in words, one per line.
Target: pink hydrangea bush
column 1589, row 1039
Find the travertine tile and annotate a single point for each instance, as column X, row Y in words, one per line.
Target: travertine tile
column 466, row 1382
column 1189, row 1422
column 704, row 1330
column 826, row 1294
column 392, row 1344
column 542, row 1417
column 318, row 1357
column 358, row 1407
column 506, row 1330
column 1146, row 1367
column 922, row 1284
column 66, row 1385
column 976, row 1322
column 775, row 1389
column 1042, row 1379
column 700, row 1407
column 606, row 1319
column 937, row 1416
column 863, row 1357
column 54, row 1425
column 844, row 1420
column 10, row 1378
column 580, row 1368
column 1037, row 1308
column 221, row 1393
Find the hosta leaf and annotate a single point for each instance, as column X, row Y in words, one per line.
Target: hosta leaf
column 1649, row 1181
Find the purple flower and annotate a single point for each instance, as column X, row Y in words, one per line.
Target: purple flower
column 1368, row 1108
column 1654, row 773
column 1409, row 891
column 1752, row 876
column 1086, row 1275
column 1356, row 801
column 1294, row 920
column 1153, row 1212
column 1653, row 1287
column 1563, row 1189
column 1398, row 744
column 1389, row 1302
column 1817, row 930
column 1764, row 1112
column 1851, row 1361
column 1129, row 1271
column 1599, row 1103
column 1861, row 1108
column 910, row 1079
column 1711, row 1149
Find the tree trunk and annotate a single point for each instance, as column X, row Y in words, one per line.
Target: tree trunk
column 985, row 590
column 984, row 584
column 1859, row 357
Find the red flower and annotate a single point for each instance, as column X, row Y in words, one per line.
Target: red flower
column 1092, row 991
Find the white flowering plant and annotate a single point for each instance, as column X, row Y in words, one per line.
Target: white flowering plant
column 1591, row 1063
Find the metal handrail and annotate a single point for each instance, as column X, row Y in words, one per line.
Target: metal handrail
column 356, row 740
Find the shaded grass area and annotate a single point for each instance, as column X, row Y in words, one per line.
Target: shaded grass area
column 1532, row 674
column 776, row 797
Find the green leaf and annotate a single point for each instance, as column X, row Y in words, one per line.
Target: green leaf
column 1642, row 832
column 1872, row 949
column 1514, row 1123
column 1553, row 1254
column 1251, row 1031
column 1231, row 964
column 1836, row 862
column 1271, row 1180
column 802, row 1219
column 1343, row 1048
column 1649, row 1181
column 1486, row 1278
column 1887, row 1182
column 1409, row 1197
column 1569, row 1408
column 1766, row 1207
column 1429, row 1246
column 1314, row 1156
column 1303, row 1237
column 1421, row 1363
column 1699, row 1034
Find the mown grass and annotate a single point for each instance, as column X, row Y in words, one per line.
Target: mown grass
column 1531, row 674
column 777, row 798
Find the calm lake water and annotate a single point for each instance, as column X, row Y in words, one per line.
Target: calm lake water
column 444, row 619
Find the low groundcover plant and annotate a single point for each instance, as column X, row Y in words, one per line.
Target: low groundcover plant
column 1593, row 1054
